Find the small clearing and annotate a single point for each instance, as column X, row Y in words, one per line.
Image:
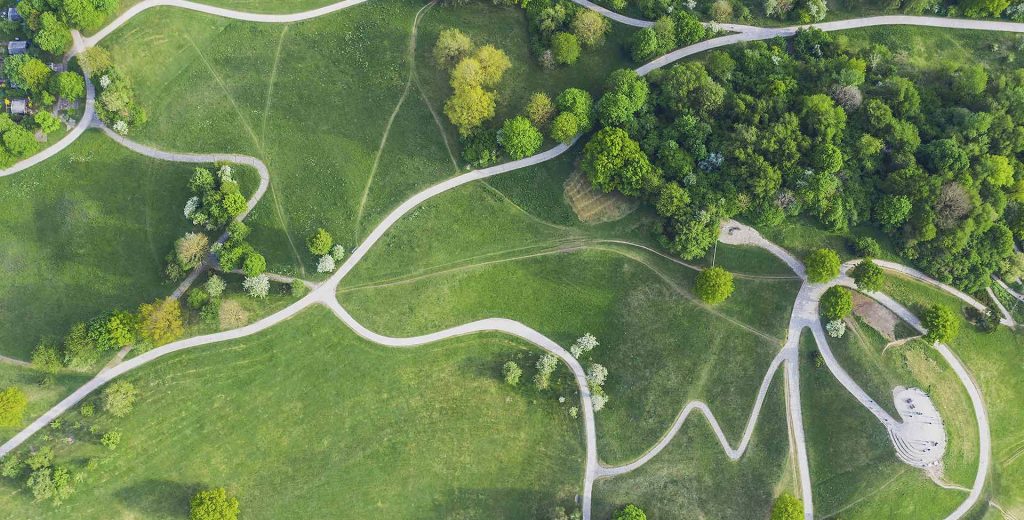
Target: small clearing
column 593, row 206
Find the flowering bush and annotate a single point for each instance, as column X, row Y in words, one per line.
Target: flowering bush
column 257, row 286
column 836, row 328
column 325, row 265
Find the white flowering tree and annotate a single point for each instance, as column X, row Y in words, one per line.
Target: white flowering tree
column 584, row 344
column 596, row 375
column 545, row 367
column 257, row 286
column 326, row 264
column 215, row 286
column 836, row 328
column 337, row 252
column 599, row 400
column 121, row 127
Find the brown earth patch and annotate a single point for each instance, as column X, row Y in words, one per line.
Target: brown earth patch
column 875, row 315
column 593, row 206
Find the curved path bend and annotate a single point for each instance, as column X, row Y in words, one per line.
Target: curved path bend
column 325, row 294
column 977, row 401
column 784, row 355
column 805, row 314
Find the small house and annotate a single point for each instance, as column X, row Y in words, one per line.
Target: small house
column 19, row 107
column 13, row 15
column 58, row 67
column 17, row 47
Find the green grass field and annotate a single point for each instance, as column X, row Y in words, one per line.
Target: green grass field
column 440, row 267
column 40, row 396
column 914, row 364
column 375, row 432
column 693, row 478
column 854, row 470
column 994, row 361
column 85, row 233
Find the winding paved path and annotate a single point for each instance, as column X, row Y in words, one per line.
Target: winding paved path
column 326, row 293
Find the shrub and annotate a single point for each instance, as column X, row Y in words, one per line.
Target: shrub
column 540, row 108
column 119, row 398
column 297, row 288
column 511, row 372
column 111, row 439
column 452, row 45
column 47, row 122
column 326, row 264
column 566, row 48
column 868, row 275
column 787, row 507
column 836, row 328
column 197, row 298
column 258, row 286
column 215, row 286
column 942, row 324
column 836, row 303
column 583, row 345
column 13, row 402
column 338, row 252
column 320, row 243
column 630, row 512
column 520, row 138
column 213, row 504
column 822, row 265
column 545, row 367
column 714, row 285
column 596, row 375
column 254, row 264
column 45, row 358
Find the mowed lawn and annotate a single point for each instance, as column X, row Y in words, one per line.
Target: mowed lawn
column 40, row 396
column 83, row 233
column 854, row 470
column 306, row 420
column 994, row 360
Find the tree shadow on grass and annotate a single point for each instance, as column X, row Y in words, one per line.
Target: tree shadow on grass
column 494, row 503
column 156, row 498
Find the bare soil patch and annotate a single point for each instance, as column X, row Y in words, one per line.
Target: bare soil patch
column 593, row 206
column 875, row 315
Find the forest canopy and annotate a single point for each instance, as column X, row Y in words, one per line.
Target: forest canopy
column 805, row 127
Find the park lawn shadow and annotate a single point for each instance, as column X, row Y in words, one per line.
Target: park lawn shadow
column 158, row 498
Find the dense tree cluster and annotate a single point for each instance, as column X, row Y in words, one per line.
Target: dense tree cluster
column 473, row 73
column 775, row 129
column 561, row 30
column 58, row 16
column 115, row 100
column 679, row 29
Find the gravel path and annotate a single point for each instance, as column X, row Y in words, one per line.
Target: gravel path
column 326, row 293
